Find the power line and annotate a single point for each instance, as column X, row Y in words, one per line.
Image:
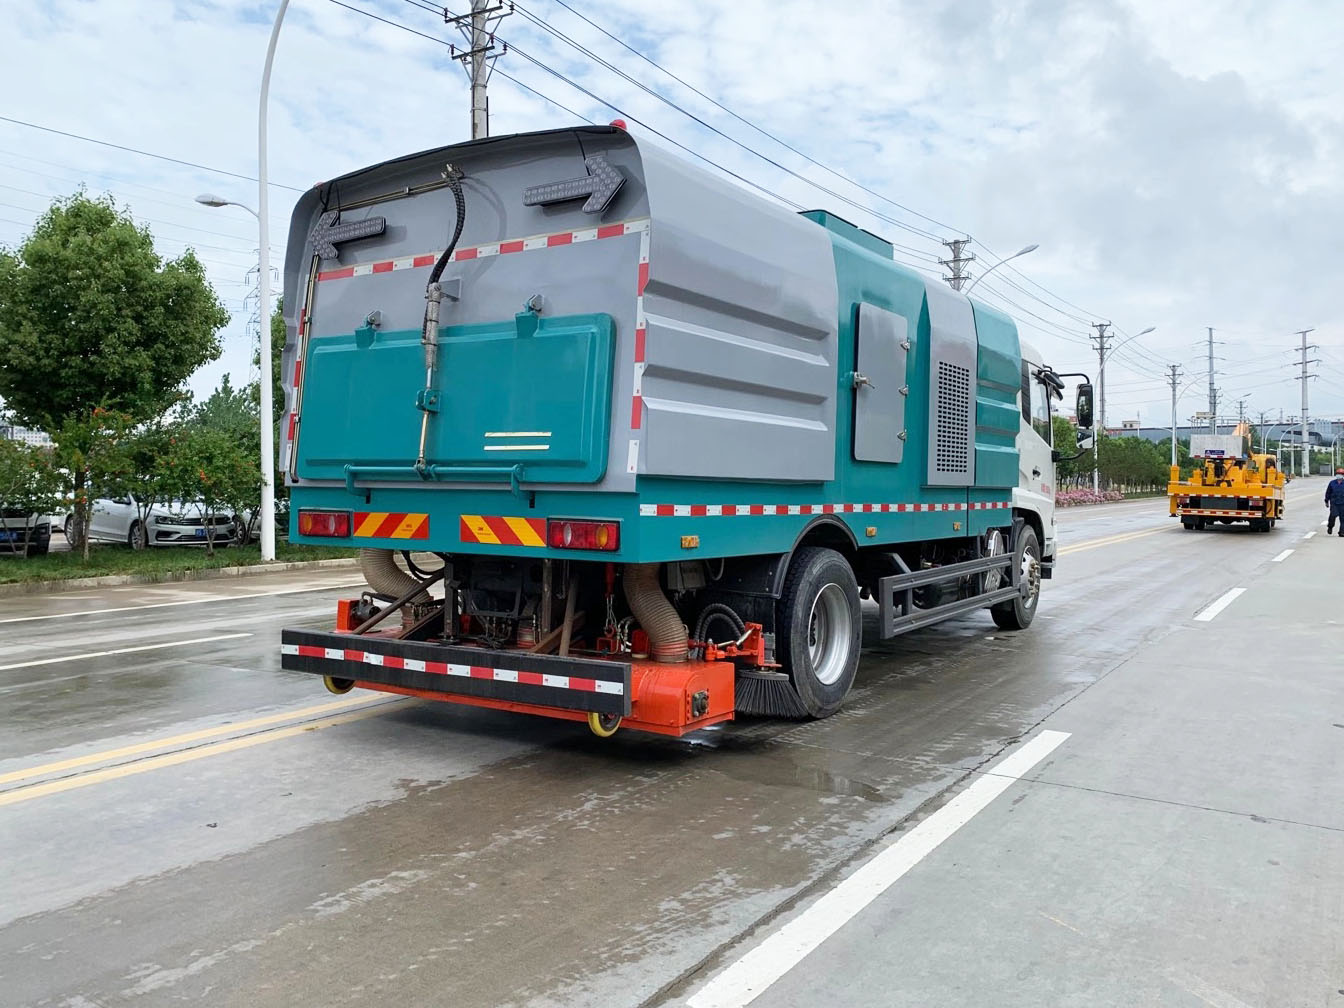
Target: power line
column 747, row 122
column 149, row 154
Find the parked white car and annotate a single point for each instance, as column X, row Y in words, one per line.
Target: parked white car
column 175, row 523
column 17, row 528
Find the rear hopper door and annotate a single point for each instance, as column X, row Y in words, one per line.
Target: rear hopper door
column 512, row 388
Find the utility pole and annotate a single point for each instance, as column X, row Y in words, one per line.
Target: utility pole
column 1306, row 429
column 1099, row 341
column 1213, row 394
column 478, row 59
column 957, row 262
column 1264, row 432
column 1174, row 378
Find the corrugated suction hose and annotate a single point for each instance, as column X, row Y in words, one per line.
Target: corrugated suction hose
column 667, row 634
column 380, row 570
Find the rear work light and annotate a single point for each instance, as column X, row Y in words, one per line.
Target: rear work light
column 564, row 533
column 328, row 524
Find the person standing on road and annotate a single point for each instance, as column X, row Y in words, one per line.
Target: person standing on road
column 1334, row 500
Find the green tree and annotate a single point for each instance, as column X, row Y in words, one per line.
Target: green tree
column 1067, row 470
column 214, row 470
column 232, row 412
column 92, row 318
column 30, row 483
column 94, row 447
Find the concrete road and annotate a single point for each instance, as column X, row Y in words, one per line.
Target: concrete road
column 1137, row 801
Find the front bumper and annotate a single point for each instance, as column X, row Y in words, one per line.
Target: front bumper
column 188, row 535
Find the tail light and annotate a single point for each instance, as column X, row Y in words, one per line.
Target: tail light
column 325, row 524
column 563, row 533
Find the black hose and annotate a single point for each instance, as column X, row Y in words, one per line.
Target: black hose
column 455, row 186
column 716, row 611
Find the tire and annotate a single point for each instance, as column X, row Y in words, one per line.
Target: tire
column 1188, row 524
column 40, row 548
column 820, row 628
column 241, row 534
column 70, row 530
column 137, row 538
column 1017, row 613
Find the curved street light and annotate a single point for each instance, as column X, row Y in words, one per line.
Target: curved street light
column 266, row 409
column 211, row 200
column 1019, row 252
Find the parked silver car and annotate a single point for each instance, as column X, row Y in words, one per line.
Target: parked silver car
column 175, row 523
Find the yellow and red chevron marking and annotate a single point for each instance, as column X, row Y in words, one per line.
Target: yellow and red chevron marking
column 391, row 525
column 503, row 530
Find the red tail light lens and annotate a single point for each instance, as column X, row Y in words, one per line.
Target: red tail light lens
column 327, row 524
column 604, row 536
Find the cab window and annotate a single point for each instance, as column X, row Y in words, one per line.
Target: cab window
column 1040, row 411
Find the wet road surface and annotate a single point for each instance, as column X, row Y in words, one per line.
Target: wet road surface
column 180, row 820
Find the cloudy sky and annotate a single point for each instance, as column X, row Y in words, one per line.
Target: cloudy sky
column 1179, row 164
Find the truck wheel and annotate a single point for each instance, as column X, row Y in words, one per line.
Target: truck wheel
column 1017, row 613
column 820, row 628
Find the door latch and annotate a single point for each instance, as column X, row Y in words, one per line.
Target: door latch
column 859, row 379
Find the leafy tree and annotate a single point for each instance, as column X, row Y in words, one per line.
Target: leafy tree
column 94, row 447
column 232, row 412
column 214, row 470
column 92, row 318
column 147, row 475
column 30, row 483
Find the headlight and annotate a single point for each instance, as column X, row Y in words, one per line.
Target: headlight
column 168, row 520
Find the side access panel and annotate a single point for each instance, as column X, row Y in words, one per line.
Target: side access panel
column 879, row 404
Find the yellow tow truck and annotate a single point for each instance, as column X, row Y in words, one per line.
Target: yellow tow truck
column 1230, row 484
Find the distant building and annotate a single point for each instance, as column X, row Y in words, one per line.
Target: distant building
column 37, row 438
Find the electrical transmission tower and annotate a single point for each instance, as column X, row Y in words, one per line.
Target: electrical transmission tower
column 957, row 262
column 478, row 59
column 252, row 305
column 1213, row 392
column 1304, row 378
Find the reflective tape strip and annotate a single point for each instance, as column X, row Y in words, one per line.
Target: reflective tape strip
column 580, row 684
column 508, row 246
column 502, row 530
column 734, row 510
column 390, row 525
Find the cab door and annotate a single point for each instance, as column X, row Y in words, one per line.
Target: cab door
column 1035, row 442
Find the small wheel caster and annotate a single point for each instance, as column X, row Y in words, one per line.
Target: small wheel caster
column 338, row 686
column 603, row 725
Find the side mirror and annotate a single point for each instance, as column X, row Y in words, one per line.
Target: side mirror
column 1083, row 406
column 1085, row 440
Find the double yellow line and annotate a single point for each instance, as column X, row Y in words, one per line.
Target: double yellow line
column 185, row 747
column 1111, row 540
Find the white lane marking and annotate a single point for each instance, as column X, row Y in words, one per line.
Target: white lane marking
column 191, row 601
column 1309, row 534
column 1283, row 556
column 1222, row 603
column 125, row 650
column 749, row 977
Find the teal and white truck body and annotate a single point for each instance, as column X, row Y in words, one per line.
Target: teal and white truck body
column 714, row 387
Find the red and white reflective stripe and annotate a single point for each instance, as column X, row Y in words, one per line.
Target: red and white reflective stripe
column 734, row 510
column 641, row 332
column 506, row 247
column 1221, row 514
column 564, row 682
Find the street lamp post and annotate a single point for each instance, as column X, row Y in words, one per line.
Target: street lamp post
column 264, row 285
column 1019, row 252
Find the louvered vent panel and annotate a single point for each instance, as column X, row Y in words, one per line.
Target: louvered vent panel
column 953, row 417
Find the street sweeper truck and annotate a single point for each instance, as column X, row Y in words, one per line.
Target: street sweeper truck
column 622, row 443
